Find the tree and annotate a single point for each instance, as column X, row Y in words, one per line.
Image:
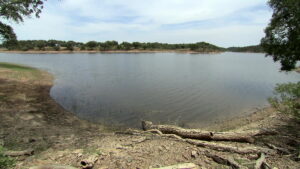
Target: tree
column 125, row 46
column 70, row 45
column 91, row 45
column 282, row 39
column 136, row 45
column 16, row 10
column 41, row 44
column 287, row 99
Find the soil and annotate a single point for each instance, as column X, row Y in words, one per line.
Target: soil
column 30, row 118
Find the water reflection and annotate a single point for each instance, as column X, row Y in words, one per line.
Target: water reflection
column 122, row 89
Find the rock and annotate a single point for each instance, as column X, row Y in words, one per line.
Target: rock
column 79, row 155
column 180, row 166
column 194, row 154
column 89, row 162
column 52, row 167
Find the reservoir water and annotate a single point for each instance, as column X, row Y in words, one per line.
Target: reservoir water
column 189, row 90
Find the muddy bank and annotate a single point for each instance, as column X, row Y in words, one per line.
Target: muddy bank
column 30, row 119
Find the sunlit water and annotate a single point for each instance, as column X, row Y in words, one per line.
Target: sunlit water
column 186, row 89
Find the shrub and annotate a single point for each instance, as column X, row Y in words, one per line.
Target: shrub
column 287, row 99
column 5, row 162
column 56, row 48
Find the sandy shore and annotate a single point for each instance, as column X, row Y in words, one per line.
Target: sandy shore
column 30, row 118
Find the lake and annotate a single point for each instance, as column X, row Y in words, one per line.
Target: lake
column 190, row 90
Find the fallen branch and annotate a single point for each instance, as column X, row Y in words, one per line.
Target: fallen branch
column 260, row 161
column 27, row 152
column 227, row 148
column 217, row 146
column 224, row 161
column 279, row 149
column 266, row 165
column 206, row 135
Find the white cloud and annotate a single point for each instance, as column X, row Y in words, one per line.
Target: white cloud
column 225, row 22
column 159, row 11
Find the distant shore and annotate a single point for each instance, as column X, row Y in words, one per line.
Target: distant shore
column 106, row 51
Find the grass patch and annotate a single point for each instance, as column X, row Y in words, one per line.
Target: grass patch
column 287, row 99
column 92, row 150
column 5, row 162
column 19, row 72
column 297, row 69
column 16, row 67
column 2, row 98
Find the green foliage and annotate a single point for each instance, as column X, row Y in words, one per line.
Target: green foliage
column 255, row 49
column 56, row 48
column 70, row 45
column 15, row 67
column 5, row 162
column 82, row 47
column 204, row 47
column 282, row 39
column 11, row 44
column 91, row 45
column 16, row 10
column 287, row 99
column 7, row 32
column 109, row 45
column 125, row 46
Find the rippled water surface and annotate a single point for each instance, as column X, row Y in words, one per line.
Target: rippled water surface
column 186, row 89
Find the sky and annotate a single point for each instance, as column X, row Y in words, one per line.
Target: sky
column 221, row 22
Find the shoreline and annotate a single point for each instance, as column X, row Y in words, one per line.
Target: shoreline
column 32, row 119
column 108, row 51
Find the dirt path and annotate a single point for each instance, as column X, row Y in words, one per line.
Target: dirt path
column 30, row 119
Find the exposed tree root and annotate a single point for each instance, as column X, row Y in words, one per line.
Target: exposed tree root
column 261, row 163
column 224, row 161
column 278, row 149
column 227, row 148
column 217, row 146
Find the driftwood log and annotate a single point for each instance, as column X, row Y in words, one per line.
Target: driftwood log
column 247, row 137
column 217, row 146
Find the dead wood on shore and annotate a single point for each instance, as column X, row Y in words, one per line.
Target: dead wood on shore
column 247, row 137
column 27, row 152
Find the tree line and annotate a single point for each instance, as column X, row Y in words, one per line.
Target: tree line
column 58, row 45
column 281, row 39
column 254, row 49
